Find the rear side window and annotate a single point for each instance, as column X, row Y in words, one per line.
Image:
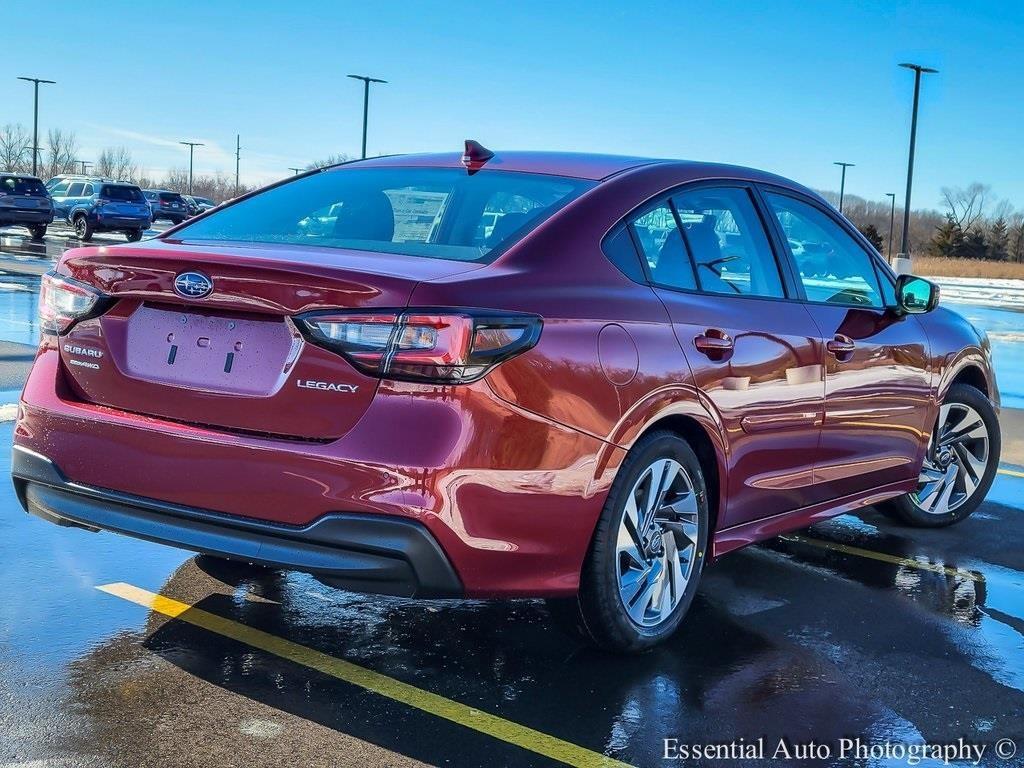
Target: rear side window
column 14, row 185
column 75, row 190
column 622, row 253
column 443, row 213
column 122, row 193
column 728, row 243
column 661, row 242
column 88, row 191
column 833, row 268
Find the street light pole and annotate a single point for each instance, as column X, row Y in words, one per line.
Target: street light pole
column 366, row 101
column 85, row 165
column 295, row 171
column 35, row 119
column 842, row 183
column 892, row 218
column 191, row 149
column 238, row 158
column 918, row 71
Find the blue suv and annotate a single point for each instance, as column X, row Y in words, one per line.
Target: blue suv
column 100, row 205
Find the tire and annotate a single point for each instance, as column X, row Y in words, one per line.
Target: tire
column 83, row 229
column 957, row 472
column 622, row 567
column 133, row 235
column 38, row 231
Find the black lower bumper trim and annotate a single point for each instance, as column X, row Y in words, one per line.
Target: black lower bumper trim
column 363, row 553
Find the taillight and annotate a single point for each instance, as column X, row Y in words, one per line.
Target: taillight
column 63, row 302
column 436, row 345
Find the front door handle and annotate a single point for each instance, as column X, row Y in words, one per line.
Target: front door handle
column 714, row 343
column 841, row 346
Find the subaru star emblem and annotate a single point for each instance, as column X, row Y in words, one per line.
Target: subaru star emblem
column 193, row 285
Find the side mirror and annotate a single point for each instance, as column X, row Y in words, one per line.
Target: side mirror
column 915, row 295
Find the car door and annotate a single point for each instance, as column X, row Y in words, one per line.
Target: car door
column 72, row 198
column 878, row 404
column 59, row 195
column 755, row 354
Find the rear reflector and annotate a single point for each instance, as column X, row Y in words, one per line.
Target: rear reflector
column 436, row 345
column 63, row 302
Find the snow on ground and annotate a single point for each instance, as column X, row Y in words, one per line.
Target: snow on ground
column 1008, row 293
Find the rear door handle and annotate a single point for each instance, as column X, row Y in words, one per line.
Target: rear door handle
column 714, row 342
column 841, row 346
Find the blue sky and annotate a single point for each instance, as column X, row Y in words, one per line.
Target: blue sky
column 785, row 86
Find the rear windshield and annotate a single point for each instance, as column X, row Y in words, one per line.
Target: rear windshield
column 14, row 185
column 171, row 197
column 122, row 194
column 441, row 213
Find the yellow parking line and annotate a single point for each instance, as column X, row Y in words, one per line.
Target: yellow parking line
column 883, row 557
column 1010, row 472
column 491, row 725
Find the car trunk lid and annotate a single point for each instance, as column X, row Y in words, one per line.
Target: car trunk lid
column 231, row 359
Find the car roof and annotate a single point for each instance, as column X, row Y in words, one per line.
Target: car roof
column 575, row 164
column 19, row 175
column 594, row 167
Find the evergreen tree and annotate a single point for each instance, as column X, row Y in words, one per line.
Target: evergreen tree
column 1017, row 242
column 975, row 246
column 948, row 240
column 873, row 235
column 998, row 240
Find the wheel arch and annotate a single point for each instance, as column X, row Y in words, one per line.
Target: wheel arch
column 972, row 375
column 709, row 452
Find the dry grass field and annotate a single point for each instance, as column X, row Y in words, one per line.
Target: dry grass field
column 931, row 266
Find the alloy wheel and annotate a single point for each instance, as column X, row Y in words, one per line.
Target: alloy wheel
column 656, row 547
column 956, row 461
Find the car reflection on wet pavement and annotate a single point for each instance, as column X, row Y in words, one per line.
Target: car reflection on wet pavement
column 855, row 627
column 794, row 639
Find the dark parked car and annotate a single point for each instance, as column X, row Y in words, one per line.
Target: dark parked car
column 197, row 205
column 25, row 202
column 167, row 205
column 92, row 206
column 578, row 377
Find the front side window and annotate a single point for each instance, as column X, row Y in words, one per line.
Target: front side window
column 833, row 268
column 658, row 234
column 443, row 213
column 728, row 243
column 60, row 190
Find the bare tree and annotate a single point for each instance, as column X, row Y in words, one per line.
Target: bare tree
column 117, row 163
column 60, row 152
column 329, row 160
column 966, row 204
column 176, row 180
column 15, row 149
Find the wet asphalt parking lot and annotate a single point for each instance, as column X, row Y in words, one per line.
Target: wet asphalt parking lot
column 117, row 652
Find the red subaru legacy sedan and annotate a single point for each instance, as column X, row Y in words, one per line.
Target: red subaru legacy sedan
column 503, row 375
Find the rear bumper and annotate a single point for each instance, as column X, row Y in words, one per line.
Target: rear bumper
column 9, row 217
column 363, row 553
column 120, row 222
column 510, row 499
